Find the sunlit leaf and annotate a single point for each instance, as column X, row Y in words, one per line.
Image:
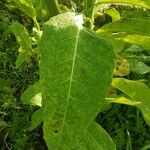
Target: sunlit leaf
column 23, row 39
column 138, row 93
column 141, row 40
column 32, row 95
column 27, row 7
column 113, row 13
column 129, row 26
column 134, row 31
column 142, row 3
column 75, row 71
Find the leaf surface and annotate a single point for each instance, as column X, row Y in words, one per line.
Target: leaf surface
column 139, row 26
column 139, row 95
column 32, row 95
column 134, row 31
column 23, row 39
column 75, row 71
column 142, row 3
column 27, row 7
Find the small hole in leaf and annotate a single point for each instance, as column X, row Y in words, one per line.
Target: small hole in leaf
column 56, row 131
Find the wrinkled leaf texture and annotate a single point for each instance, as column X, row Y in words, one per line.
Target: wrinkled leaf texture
column 75, row 70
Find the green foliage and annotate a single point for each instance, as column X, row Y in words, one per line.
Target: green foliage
column 58, row 82
column 32, row 95
column 75, row 81
column 138, row 94
column 142, row 3
column 27, row 7
column 24, row 41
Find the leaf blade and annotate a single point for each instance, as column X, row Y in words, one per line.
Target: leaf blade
column 73, row 73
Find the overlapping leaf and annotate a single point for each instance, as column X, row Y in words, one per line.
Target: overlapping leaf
column 139, row 95
column 27, row 7
column 75, row 71
column 142, row 3
column 134, row 31
column 23, row 38
column 32, row 95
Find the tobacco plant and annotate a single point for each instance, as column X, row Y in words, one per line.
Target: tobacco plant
column 85, row 51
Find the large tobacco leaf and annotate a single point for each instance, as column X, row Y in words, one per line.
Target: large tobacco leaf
column 75, row 71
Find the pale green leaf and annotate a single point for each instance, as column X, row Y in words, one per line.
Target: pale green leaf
column 136, row 26
column 134, row 31
column 141, row 40
column 75, row 71
column 138, row 93
column 113, row 13
column 123, row 100
column 23, row 39
column 27, row 7
column 32, row 95
column 142, row 3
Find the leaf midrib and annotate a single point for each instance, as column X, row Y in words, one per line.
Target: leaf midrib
column 70, row 83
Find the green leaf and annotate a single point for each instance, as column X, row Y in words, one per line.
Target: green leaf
column 142, row 3
column 27, row 7
column 138, row 93
column 101, row 139
column 3, row 124
column 75, row 71
column 113, row 13
column 133, row 26
column 32, row 95
column 23, row 38
column 141, row 40
column 139, row 67
column 146, row 147
column 134, row 31
column 36, row 119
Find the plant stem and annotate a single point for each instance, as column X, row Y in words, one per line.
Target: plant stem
column 88, row 11
column 53, row 7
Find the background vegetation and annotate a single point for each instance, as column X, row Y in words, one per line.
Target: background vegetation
column 125, row 124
